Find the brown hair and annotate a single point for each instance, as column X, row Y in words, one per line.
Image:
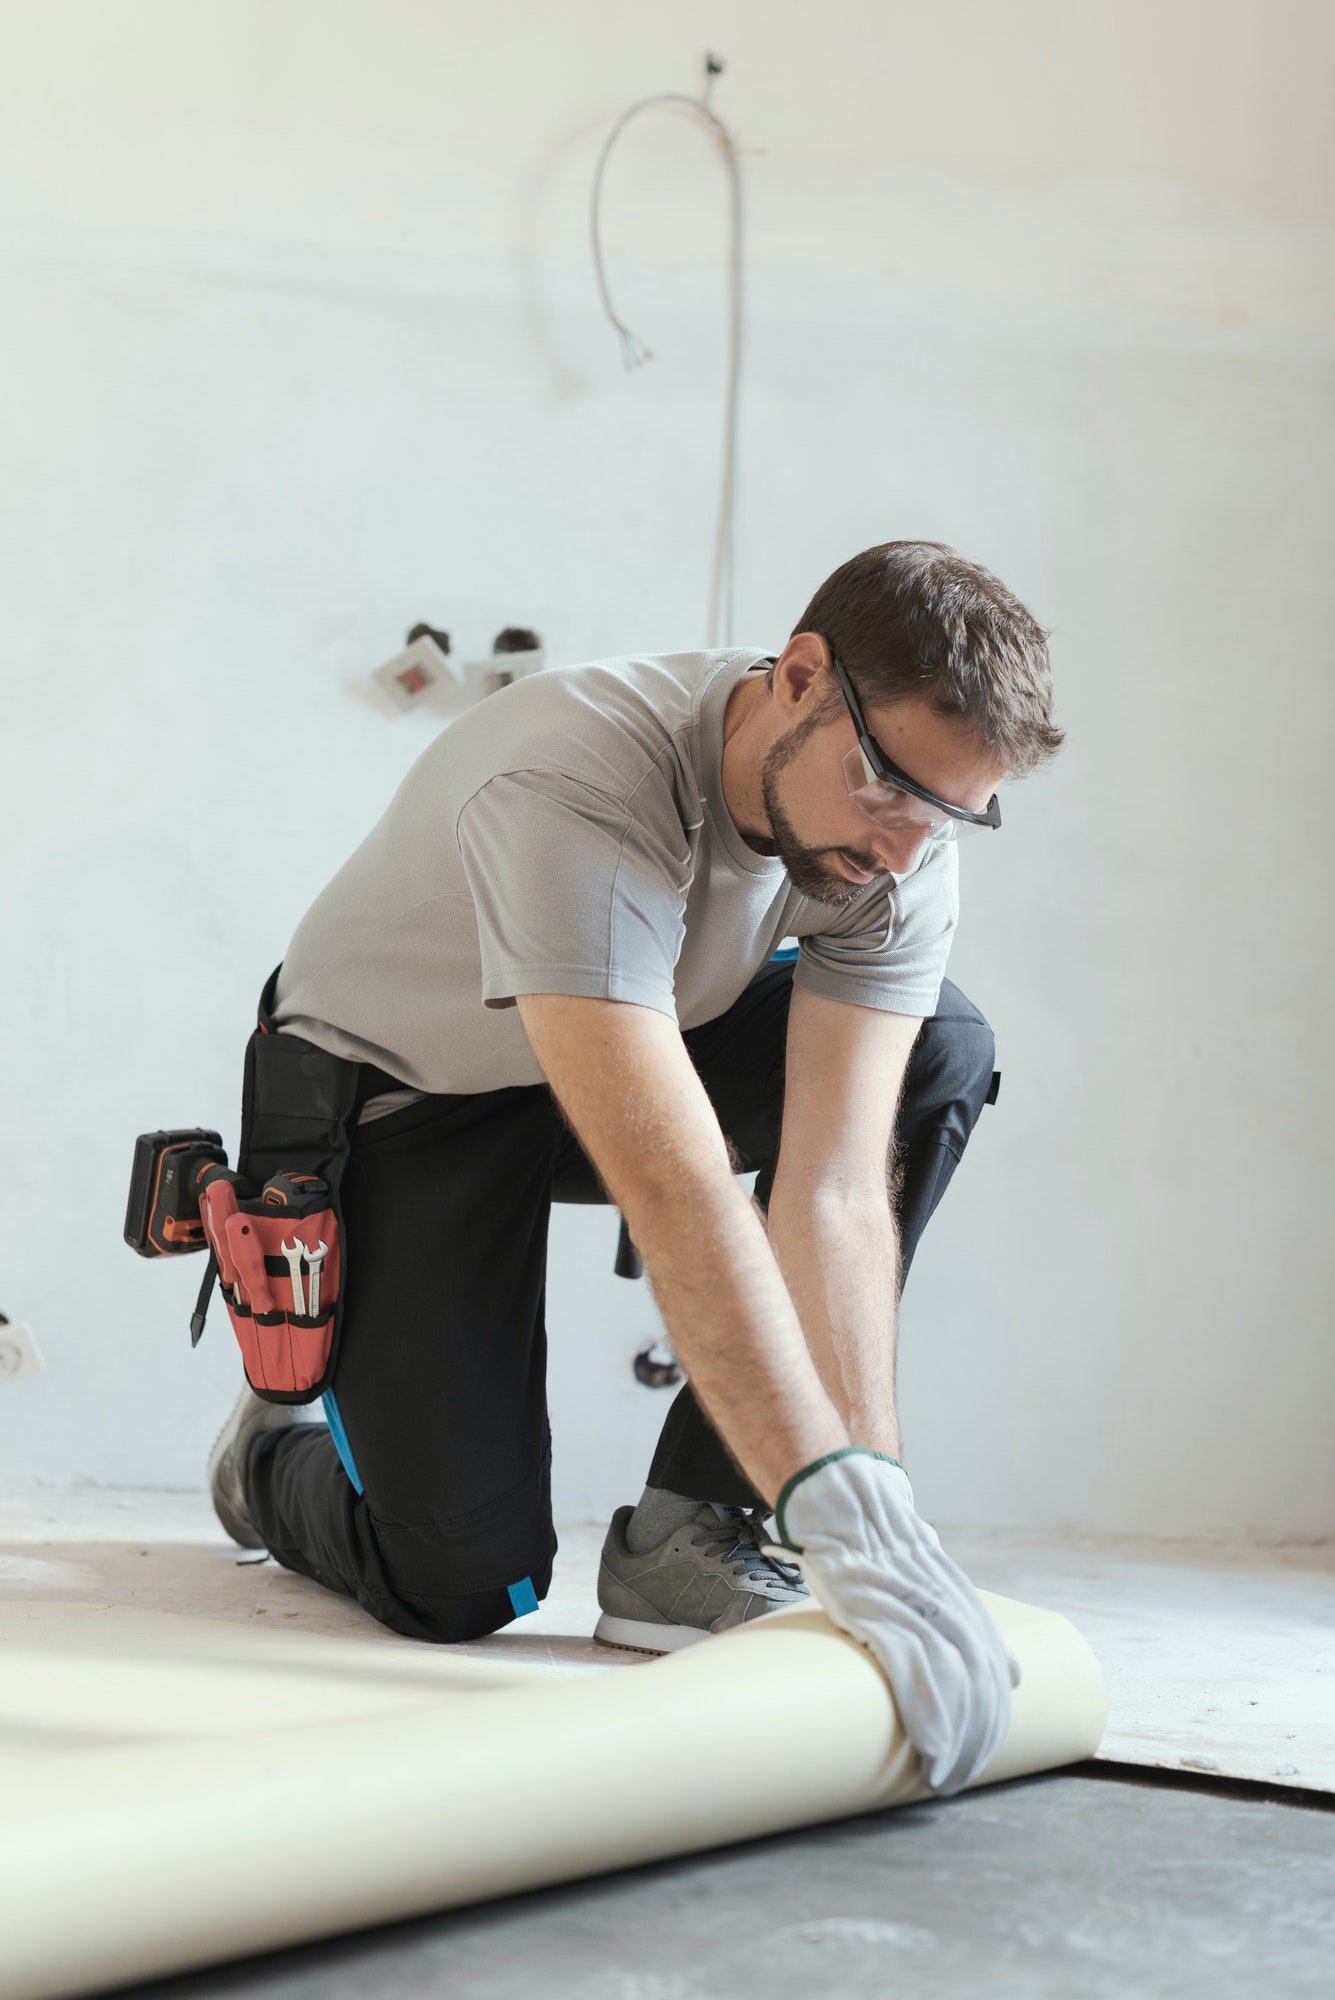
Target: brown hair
column 914, row 619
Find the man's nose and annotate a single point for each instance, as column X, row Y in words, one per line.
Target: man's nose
column 897, row 850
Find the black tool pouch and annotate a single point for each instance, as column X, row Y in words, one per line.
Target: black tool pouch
column 299, row 1106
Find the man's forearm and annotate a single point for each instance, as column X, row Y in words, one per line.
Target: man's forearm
column 838, row 1251
column 727, row 1308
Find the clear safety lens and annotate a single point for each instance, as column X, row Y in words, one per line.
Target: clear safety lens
column 891, row 806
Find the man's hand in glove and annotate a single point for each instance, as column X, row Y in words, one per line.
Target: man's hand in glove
column 881, row 1575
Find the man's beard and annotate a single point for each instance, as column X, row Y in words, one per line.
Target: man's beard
column 802, row 862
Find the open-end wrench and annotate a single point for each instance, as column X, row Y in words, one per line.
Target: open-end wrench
column 294, row 1252
column 315, row 1258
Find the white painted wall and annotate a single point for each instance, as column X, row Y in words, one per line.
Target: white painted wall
column 300, row 342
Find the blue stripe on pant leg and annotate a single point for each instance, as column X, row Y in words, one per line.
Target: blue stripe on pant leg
column 340, row 1437
column 523, row 1597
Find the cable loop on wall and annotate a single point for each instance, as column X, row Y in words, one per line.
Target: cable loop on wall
column 635, row 351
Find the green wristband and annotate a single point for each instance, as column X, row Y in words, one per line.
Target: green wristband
column 790, row 1485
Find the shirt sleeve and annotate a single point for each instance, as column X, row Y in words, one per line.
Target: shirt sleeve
column 889, row 950
column 571, row 893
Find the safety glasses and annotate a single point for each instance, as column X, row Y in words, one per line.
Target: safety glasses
column 889, row 796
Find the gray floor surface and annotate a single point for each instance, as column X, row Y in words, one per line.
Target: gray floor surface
column 1080, row 1886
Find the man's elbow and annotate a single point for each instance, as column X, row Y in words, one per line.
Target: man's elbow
column 668, row 1206
column 835, row 1194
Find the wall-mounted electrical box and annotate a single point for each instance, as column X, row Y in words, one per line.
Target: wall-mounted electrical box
column 424, row 666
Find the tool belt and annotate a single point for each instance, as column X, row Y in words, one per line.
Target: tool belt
column 274, row 1225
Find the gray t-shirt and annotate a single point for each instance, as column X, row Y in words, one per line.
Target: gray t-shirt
column 569, row 835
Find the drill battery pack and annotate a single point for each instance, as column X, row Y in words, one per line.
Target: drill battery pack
column 162, row 1218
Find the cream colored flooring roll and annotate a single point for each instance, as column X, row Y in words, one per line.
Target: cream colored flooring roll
column 177, row 1792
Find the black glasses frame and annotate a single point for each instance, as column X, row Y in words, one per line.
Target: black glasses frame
column 889, row 772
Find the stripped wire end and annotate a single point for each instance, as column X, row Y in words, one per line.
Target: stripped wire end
column 634, row 351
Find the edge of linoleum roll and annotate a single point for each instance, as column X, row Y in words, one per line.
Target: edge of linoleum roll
column 140, row 1858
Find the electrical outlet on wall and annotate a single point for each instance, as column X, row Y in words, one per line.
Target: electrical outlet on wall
column 413, row 677
column 19, row 1352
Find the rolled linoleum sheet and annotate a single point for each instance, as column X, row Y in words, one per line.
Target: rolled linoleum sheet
column 178, row 1792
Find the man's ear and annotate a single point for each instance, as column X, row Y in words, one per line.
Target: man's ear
column 801, row 675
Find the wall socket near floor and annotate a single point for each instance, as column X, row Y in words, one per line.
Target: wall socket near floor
column 19, row 1352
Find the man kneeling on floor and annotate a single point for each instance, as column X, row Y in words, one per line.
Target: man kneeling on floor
column 553, row 959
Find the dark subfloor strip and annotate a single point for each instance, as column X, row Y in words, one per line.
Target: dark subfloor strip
column 1162, row 1776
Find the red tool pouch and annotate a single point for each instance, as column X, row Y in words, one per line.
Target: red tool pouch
column 299, row 1107
column 280, row 1280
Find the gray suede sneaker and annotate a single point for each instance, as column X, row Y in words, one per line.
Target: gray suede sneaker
column 706, row 1577
column 250, row 1417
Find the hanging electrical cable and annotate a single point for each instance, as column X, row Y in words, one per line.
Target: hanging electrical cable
column 635, row 352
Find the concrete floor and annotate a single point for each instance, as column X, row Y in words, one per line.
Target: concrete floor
column 1081, row 1886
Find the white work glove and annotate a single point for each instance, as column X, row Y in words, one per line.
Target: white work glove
column 881, row 1575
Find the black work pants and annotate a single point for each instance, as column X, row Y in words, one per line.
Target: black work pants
column 441, row 1371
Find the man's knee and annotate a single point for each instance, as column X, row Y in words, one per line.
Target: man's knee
column 463, row 1577
column 449, row 1617
column 971, row 1046
column 950, row 1071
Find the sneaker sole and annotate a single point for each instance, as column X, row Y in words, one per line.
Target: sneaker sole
column 637, row 1635
column 239, row 1525
column 241, row 1529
